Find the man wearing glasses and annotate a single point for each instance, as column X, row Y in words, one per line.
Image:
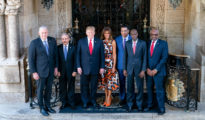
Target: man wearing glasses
column 156, row 70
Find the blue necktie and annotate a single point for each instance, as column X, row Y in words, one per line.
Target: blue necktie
column 46, row 46
column 124, row 42
column 65, row 52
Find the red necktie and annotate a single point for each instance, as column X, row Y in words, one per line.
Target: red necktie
column 152, row 48
column 134, row 47
column 90, row 47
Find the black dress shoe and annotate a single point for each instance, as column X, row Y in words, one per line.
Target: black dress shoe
column 129, row 108
column 95, row 105
column 122, row 102
column 161, row 111
column 44, row 112
column 139, row 109
column 72, row 107
column 147, row 109
column 50, row 110
column 63, row 106
column 85, row 106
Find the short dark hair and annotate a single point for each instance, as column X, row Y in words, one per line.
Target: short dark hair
column 124, row 26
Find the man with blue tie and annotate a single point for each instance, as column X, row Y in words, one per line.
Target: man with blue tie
column 156, row 70
column 43, row 63
column 121, row 40
column 134, row 64
column 67, row 71
column 90, row 62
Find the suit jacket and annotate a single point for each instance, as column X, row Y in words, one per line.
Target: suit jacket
column 67, row 66
column 135, row 62
column 120, row 51
column 39, row 61
column 90, row 64
column 159, row 57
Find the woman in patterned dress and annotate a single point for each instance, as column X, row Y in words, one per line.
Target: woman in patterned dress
column 109, row 80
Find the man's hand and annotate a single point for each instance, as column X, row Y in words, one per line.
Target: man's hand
column 74, row 74
column 56, row 72
column 149, row 72
column 102, row 70
column 79, row 71
column 35, row 76
column 142, row 74
column 125, row 73
column 154, row 72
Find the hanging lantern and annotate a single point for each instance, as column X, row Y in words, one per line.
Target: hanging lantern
column 47, row 4
column 175, row 3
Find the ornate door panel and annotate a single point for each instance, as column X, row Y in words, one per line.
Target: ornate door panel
column 113, row 13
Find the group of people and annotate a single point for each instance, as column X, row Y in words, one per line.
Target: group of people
column 106, row 63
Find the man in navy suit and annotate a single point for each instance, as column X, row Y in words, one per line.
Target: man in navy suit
column 90, row 62
column 135, row 62
column 121, row 40
column 67, row 71
column 43, row 63
column 156, row 70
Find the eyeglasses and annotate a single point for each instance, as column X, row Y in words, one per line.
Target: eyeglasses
column 154, row 34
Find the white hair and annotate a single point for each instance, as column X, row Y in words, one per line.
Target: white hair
column 65, row 34
column 42, row 28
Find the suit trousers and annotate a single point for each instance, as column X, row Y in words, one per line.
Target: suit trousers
column 122, row 84
column 131, row 90
column 67, row 89
column 158, row 81
column 44, row 90
column 88, row 87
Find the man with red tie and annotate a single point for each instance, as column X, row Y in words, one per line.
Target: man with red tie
column 134, row 65
column 156, row 70
column 90, row 62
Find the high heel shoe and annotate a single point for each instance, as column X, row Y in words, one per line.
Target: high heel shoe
column 108, row 104
column 104, row 104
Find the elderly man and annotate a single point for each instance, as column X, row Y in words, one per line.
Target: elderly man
column 90, row 62
column 156, row 70
column 43, row 63
column 67, row 71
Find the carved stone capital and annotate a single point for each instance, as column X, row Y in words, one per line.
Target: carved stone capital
column 2, row 7
column 12, row 7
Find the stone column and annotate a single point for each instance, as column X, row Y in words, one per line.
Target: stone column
column 2, row 31
column 11, row 11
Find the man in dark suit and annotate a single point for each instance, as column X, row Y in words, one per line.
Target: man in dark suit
column 43, row 63
column 67, row 71
column 90, row 62
column 121, row 40
column 135, row 61
column 156, row 70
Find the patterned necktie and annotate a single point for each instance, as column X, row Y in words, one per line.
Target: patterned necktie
column 152, row 48
column 65, row 52
column 46, row 46
column 134, row 46
column 90, row 47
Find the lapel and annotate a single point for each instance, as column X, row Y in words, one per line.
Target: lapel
column 95, row 42
column 137, row 47
column 69, row 51
column 49, row 46
column 156, row 47
column 41, row 45
column 87, row 45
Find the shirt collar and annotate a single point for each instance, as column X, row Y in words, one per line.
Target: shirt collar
column 44, row 40
column 126, row 37
column 89, row 39
column 66, row 45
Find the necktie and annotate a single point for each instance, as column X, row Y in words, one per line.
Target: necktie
column 65, row 52
column 46, row 46
column 124, row 42
column 90, row 47
column 134, row 47
column 152, row 48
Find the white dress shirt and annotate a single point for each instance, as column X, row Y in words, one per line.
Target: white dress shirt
column 91, row 41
